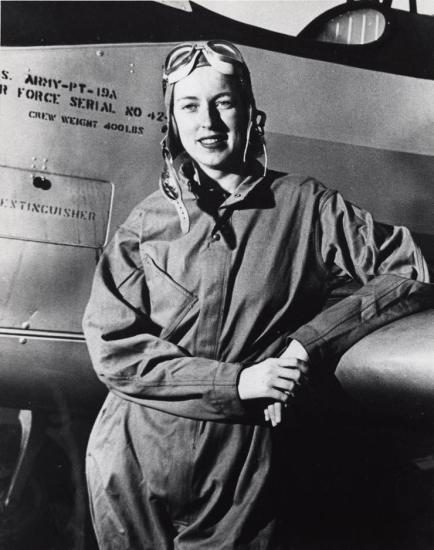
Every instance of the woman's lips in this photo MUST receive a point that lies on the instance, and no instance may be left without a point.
(212, 142)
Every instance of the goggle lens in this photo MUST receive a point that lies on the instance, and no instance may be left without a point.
(226, 49)
(180, 56)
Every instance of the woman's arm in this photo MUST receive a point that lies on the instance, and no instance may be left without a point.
(383, 259)
(131, 358)
(388, 265)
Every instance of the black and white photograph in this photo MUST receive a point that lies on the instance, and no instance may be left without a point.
(217, 275)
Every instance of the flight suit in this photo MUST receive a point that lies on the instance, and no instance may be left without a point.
(176, 459)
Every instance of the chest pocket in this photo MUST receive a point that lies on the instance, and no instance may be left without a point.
(169, 301)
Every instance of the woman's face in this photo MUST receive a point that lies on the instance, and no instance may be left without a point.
(211, 120)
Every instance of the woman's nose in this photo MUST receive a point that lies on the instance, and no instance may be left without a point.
(207, 116)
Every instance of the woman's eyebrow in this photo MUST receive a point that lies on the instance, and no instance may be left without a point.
(221, 94)
(186, 98)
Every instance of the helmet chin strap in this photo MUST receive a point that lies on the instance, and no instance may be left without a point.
(169, 185)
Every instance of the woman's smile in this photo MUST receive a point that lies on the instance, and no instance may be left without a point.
(213, 141)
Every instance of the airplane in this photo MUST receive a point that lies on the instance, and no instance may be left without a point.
(348, 100)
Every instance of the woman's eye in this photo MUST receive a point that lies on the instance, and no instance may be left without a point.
(224, 104)
(190, 107)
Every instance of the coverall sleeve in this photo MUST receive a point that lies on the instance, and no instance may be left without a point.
(132, 360)
(383, 259)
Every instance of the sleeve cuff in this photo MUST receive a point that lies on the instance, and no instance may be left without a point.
(225, 390)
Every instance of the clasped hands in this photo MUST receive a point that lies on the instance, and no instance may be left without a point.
(275, 379)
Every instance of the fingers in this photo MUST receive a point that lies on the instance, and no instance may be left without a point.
(273, 414)
(294, 362)
(286, 386)
(289, 373)
(277, 416)
(303, 367)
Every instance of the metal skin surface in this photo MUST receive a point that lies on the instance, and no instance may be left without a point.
(96, 112)
(49, 376)
(392, 370)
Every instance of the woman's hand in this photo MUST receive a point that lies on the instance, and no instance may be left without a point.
(273, 378)
(273, 413)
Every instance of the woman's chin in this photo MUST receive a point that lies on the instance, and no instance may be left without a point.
(221, 163)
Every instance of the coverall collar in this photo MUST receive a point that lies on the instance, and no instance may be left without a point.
(187, 174)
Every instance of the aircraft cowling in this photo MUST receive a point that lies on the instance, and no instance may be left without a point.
(391, 371)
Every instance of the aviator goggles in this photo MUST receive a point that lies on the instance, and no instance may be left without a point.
(220, 54)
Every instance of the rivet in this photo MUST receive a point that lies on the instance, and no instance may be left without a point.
(34, 158)
(32, 166)
(44, 160)
(22, 340)
(25, 325)
(99, 53)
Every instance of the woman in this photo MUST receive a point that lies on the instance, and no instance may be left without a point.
(205, 317)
